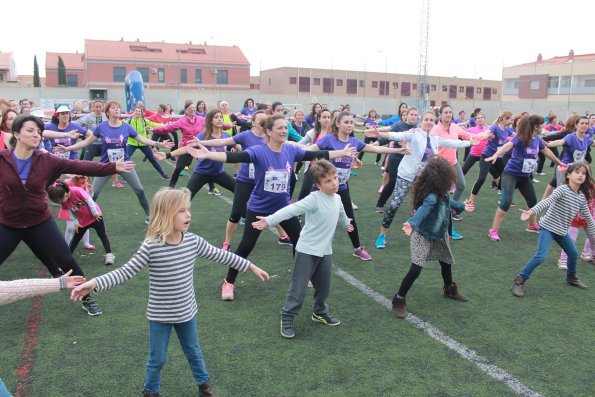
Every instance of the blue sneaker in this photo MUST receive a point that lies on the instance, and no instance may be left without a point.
(455, 235)
(380, 241)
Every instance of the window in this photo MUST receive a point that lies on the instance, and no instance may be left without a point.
(432, 103)
(1, 76)
(395, 85)
(361, 83)
(553, 82)
(72, 80)
(293, 80)
(487, 94)
(383, 88)
(515, 84)
(565, 81)
(183, 76)
(405, 89)
(119, 73)
(534, 85)
(222, 77)
(590, 83)
(339, 82)
(433, 87)
(327, 85)
(316, 81)
(469, 92)
(444, 88)
(351, 86)
(304, 84)
(478, 90)
(198, 76)
(414, 86)
(252, 86)
(494, 91)
(161, 75)
(144, 72)
(374, 84)
(452, 92)
(461, 89)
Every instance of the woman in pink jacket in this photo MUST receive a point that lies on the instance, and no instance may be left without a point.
(191, 125)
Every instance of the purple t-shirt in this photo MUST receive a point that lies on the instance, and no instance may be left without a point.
(114, 141)
(272, 171)
(574, 148)
(500, 138)
(72, 155)
(210, 167)
(23, 167)
(247, 111)
(247, 139)
(523, 160)
(343, 164)
(370, 122)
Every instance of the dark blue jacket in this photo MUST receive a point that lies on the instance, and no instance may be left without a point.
(432, 216)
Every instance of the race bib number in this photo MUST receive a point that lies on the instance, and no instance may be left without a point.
(64, 155)
(343, 175)
(115, 154)
(578, 155)
(251, 171)
(276, 181)
(529, 165)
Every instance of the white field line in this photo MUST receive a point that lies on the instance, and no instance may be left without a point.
(495, 372)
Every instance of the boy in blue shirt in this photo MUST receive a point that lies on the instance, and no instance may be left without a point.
(313, 259)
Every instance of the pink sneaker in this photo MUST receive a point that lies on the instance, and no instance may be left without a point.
(90, 247)
(118, 185)
(493, 234)
(225, 246)
(362, 254)
(533, 228)
(227, 291)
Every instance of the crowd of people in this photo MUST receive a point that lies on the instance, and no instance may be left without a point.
(269, 148)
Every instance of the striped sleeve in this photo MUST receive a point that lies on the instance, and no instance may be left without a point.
(126, 272)
(543, 205)
(208, 251)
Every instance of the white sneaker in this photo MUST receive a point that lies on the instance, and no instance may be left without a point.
(354, 206)
(587, 257)
(110, 259)
(562, 264)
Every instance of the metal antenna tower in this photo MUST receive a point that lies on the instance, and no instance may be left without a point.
(422, 71)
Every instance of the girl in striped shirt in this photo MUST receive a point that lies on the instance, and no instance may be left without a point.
(559, 209)
(169, 251)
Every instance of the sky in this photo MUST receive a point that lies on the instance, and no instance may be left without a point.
(467, 39)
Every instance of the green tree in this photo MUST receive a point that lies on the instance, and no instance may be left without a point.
(36, 80)
(61, 71)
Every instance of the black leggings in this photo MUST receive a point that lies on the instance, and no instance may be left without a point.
(197, 181)
(523, 184)
(173, 135)
(484, 167)
(414, 272)
(368, 141)
(392, 168)
(241, 195)
(47, 244)
(291, 226)
(99, 227)
(183, 160)
(347, 205)
(306, 185)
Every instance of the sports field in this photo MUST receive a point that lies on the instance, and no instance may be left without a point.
(492, 345)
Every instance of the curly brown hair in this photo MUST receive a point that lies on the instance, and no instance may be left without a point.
(437, 177)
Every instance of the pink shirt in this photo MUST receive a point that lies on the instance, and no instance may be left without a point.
(190, 129)
(477, 150)
(82, 205)
(454, 132)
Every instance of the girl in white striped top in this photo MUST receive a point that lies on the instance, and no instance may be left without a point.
(169, 251)
(560, 208)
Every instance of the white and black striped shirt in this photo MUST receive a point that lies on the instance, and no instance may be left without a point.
(561, 208)
(171, 269)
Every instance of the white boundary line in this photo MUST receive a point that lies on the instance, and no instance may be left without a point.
(494, 371)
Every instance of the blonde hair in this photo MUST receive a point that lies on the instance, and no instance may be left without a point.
(166, 203)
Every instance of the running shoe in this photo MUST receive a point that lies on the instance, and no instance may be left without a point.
(214, 191)
(354, 206)
(493, 234)
(562, 265)
(362, 254)
(117, 184)
(287, 327)
(533, 228)
(110, 259)
(147, 220)
(285, 240)
(91, 306)
(90, 247)
(326, 319)
(225, 246)
(379, 210)
(455, 235)
(380, 241)
(227, 291)
(457, 217)
(586, 256)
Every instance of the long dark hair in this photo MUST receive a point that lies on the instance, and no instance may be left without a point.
(57, 190)
(526, 128)
(318, 125)
(587, 186)
(437, 177)
(209, 122)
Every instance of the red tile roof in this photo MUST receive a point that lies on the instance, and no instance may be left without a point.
(163, 52)
(71, 61)
(563, 59)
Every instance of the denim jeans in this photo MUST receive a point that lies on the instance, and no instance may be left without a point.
(159, 340)
(543, 245)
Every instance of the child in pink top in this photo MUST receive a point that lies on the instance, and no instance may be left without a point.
(579, 222)
(84, 212)
(82, 182)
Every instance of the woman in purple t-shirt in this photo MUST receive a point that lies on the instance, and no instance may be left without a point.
(273, 164)
(517, 172)
(338, 139)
